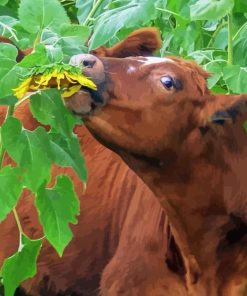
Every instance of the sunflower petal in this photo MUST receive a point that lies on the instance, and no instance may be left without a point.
(70, 91)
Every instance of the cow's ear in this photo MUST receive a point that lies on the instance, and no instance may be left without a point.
(219, 109)
(142, 42)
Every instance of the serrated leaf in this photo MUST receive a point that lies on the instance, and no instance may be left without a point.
(20, 266)
(58, 207)
(30, 149)
(39, 14)
(66, 152)
(131, 14)
(210, 10)
(10, 189)
(48, 108)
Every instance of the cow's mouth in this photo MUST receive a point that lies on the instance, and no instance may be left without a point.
(87, 101)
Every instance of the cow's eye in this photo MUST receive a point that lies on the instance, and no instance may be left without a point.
(167, 81)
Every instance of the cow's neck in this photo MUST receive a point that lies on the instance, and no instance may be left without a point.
(202, 193)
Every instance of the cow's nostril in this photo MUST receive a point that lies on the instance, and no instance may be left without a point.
(88, 63)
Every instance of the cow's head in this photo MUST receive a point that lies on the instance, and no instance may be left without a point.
(148, 106)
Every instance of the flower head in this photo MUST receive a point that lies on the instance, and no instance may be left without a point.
(62, 76)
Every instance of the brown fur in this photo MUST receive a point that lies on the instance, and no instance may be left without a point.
(189, 147)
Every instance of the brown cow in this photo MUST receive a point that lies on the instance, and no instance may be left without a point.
(188, 145)
(114, 195)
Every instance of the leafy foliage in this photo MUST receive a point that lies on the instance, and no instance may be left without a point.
(213, 33)
(57, 207)
(20, 266)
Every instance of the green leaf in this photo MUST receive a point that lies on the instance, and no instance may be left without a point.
(39, 14)
(11, 80)
(30, 150)
(66, 152)
(181, 9)
(36, 58)
(239, 51)
(49, 109)
(58, 207)
(132, 14)
(6, 23)
(240, 6)
(84, 7)
(20, 266)
(8, 51)
(240, 47)
(221, 39)
(3, 2)
(210, 9)
(73, 37)
(215, 69)
(8, 55)
(235, 78)
(9, 101)
(10, 189)
(54, 54)
(72, 31)
(202, 56)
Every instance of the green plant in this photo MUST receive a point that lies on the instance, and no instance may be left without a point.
(213, 33)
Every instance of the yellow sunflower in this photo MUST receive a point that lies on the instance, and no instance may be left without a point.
(65, 77)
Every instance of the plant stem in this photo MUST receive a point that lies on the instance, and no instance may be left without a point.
(37, 39)
(18, 222)
(21, 232)
(230, 40)
(96, 5)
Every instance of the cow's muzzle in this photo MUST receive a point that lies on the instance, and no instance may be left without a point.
(86, 101)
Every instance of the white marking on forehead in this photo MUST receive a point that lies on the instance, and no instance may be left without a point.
(155, 60)
(131, 69)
